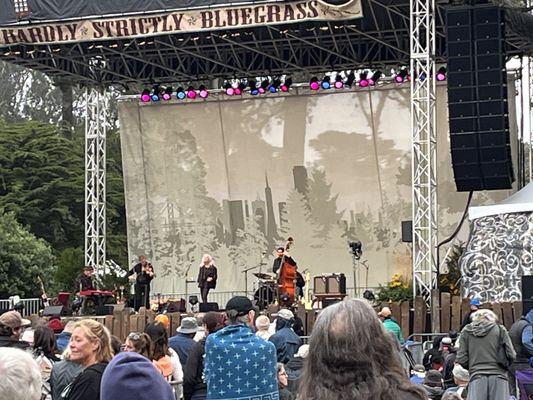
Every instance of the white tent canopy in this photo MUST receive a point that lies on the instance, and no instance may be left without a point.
(521, 201)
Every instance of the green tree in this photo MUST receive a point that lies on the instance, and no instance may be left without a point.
(69, 266)
(42, 182)
(23, 257)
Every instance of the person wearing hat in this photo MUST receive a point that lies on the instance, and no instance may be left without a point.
(449, 354)
(238, 364)
(132, 376)
(183, 341)
(461, 377)
(295, 367)
(11, 328)
(390, 324)
(286, 341)
(475, 304)
(433, 384)
(418, 374)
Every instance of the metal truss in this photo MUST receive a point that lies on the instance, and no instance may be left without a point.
(95, 171)
(379, 39)
(424, 150)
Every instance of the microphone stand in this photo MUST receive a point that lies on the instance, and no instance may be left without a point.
(187, 281)
(245, 272)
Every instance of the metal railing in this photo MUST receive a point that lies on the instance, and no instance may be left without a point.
(31, 306)
(222, 297)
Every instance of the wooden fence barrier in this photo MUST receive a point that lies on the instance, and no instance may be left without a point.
(412, 318)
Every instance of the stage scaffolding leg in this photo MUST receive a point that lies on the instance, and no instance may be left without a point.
(95, 169)
(424, 151)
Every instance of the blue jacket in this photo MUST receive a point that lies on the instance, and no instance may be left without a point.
(286, 341)
(527, 333)
(181, 344)
(240, 365)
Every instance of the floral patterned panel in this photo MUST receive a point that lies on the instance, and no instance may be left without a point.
(498, 253)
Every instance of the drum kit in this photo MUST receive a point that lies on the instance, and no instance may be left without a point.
(266, 285)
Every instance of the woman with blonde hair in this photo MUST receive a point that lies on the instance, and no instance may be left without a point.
(207, 276)
(352, 357)
(90, 346)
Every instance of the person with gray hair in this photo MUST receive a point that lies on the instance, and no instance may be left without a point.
(352, 357)
(21, 376)
(239, 364)
(486, 351)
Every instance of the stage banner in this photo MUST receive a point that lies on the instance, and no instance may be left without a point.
(235, 178)
(190, 20)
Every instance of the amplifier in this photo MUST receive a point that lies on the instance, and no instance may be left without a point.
(330, 283)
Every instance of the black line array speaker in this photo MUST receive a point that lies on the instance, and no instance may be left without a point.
(527, 293)
(527, 287)
(477, 98)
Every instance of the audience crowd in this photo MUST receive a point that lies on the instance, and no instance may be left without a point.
(353, 353)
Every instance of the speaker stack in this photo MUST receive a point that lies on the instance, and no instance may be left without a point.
(477, 98)
(527, 293)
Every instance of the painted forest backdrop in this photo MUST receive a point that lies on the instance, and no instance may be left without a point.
(235, 178)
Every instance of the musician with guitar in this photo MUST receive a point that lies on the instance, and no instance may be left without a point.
(141, 274)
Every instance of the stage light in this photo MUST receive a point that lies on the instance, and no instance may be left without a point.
(191, 93)
(401, 76)
(313, 83)
(363, 80)
(180, 93)
(286, 85)
(326, 83)
(275, 85)
(239, 89)
(156, 93)
(230, 91)
(374, 79)
(264, 86)
(145, 96)
(441, 74)
(350, 79)
(339, 82)
(167, 94)
(202, 90)
(254, 91)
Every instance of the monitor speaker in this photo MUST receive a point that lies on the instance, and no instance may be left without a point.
(477, 98)
(206, 307)
(56, 311)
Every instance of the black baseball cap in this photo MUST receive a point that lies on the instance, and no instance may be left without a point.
(242, 304)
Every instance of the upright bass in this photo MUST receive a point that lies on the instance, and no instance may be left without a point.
(287, 279)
